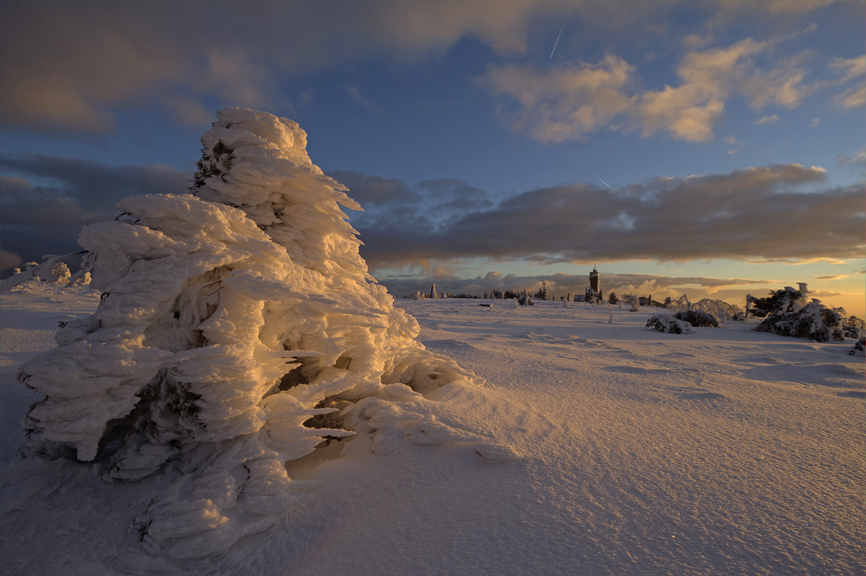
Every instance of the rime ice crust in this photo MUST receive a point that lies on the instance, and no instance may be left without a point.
(238, 328)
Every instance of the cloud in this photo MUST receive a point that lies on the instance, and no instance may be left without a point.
(374, 190)
(854, 97)
(356, 96)
(856, 159)
(737, 145)
(751, 214)
(766, 120)
(454, 196)
(45, 217)
(815, 122)
(568, 101)
(848, 70)
(839, 277)
(9, 260)
(71, 66)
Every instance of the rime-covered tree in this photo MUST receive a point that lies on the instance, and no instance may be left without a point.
(238, 329)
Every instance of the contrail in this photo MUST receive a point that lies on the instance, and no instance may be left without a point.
(557, 38)
(602, 181)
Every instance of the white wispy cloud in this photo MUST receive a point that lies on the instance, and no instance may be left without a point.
(766, 120)
(567, 102)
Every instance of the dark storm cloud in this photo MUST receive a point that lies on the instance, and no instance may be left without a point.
(756, 213)
(45, 217)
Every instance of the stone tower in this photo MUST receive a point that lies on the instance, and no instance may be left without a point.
(593, 280)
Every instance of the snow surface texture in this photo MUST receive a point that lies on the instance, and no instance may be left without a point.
(727, 451)
(238, 329)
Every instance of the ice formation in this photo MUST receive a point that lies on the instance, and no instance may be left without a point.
(238, 329)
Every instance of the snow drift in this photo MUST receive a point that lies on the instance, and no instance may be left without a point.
(238, 329)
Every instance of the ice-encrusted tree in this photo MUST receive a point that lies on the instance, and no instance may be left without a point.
(790, 313)
(238, 328)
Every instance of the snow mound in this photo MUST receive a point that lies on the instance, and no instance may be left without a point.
(238, 329)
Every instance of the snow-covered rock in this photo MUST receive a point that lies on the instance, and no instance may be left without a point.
(238, 328)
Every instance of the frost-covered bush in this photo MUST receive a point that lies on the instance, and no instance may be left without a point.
(632, 301)
(778, 302)
(859, 348)
(787, 312)
(664, 322)
(612, 299)
(697, 318)
(238, 328)
(854, 327)
(718, 309)
(53, 269)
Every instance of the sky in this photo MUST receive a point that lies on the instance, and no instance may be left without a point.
(711, 148)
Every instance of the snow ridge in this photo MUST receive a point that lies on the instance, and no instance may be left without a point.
(238, 329)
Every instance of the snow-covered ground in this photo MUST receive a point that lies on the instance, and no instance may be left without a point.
(721, 452)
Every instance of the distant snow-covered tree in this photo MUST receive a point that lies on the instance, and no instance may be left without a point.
(612, 299)
(789, 313)
(433, 293)
(632, 301)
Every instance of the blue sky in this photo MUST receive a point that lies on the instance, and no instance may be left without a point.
(451, 122)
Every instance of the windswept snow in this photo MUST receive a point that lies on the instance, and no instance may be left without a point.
(726, 451)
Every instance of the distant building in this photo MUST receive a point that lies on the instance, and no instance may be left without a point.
(593, 293)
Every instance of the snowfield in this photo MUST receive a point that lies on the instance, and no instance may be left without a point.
(619, 450)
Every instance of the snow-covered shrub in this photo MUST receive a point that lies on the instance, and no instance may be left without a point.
(664, 322)
(859, 348)
(61, 273)
(525, 299)
(238, 328)
(778, 302)
(632, 301)
(697, 318)
(853, 327)
(53, 269)
(612, 299)
(787, 312)
(719, 309)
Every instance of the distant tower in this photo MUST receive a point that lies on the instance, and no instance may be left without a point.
(593, 280)
(803, 287)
